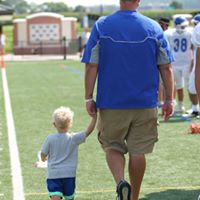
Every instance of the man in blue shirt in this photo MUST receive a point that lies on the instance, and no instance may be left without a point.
(126, 51)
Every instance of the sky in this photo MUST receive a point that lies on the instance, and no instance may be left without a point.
(73, 3)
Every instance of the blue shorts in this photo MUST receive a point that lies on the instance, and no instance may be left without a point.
(63, 187)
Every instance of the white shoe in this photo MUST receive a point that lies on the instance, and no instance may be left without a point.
(179, 109)
(198, 197)
(192, 114)
(189, 111)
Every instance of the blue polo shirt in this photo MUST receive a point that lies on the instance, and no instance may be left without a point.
(128, 47)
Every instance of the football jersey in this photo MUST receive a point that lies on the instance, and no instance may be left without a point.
(85, 38)
(181, 47)
(196, 36)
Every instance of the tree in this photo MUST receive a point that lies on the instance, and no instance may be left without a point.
(176, 5)
(12, 3)
(22, 7)
(79, 8)
(54, 7)
(33, 8)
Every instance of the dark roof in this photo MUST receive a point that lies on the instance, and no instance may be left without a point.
(6, 10)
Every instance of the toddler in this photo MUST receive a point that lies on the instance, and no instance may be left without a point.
(61, 151)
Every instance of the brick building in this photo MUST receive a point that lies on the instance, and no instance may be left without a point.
(45, 33)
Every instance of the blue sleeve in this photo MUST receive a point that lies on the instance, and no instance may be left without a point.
(91, 52)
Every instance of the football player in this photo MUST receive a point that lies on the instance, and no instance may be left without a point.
(194, 111)
(180, 42)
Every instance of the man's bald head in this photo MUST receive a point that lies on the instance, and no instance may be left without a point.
(129, 4)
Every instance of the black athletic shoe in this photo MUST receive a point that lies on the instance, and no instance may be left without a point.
(123, 191)
(195, 114)
(192, 114)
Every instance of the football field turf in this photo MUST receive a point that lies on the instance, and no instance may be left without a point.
(36, 89)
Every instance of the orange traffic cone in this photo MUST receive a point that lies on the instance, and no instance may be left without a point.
(2, 61)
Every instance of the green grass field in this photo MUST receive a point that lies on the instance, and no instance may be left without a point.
(36, 89)
(8, 31)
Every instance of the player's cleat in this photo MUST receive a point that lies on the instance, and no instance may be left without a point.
(195, 113)
(123, 190)
(179, 109)
(189, 111)
(192, 114)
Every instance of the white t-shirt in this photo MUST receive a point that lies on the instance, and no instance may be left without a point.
(181, 47)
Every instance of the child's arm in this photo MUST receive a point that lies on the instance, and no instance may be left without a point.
(44, 157)
(91, 126)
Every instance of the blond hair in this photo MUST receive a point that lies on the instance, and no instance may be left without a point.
(63, 117)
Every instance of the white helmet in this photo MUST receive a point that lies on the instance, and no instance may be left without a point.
(196, 19)
(180, 24)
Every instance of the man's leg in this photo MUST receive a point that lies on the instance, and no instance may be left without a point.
(116, 163)
(194, 100)
(180, 95)
(137, 165)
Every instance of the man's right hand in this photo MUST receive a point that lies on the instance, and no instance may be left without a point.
(167, 110)
(91, 108)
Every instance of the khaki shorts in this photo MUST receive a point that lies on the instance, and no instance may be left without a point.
(130, 130)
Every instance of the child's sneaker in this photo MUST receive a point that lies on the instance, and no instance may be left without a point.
(123, 190)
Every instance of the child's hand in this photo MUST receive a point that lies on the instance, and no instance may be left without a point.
(40, 163)
(92, 124)
(94, 117)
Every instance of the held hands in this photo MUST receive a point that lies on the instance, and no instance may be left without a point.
(168, 109)
(92, 111)
(91, 107)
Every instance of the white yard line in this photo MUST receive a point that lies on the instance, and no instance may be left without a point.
(17, 181)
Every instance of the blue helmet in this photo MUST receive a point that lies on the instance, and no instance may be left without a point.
(196, 19)
(181, 21)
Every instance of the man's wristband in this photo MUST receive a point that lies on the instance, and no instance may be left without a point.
(88, 100)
